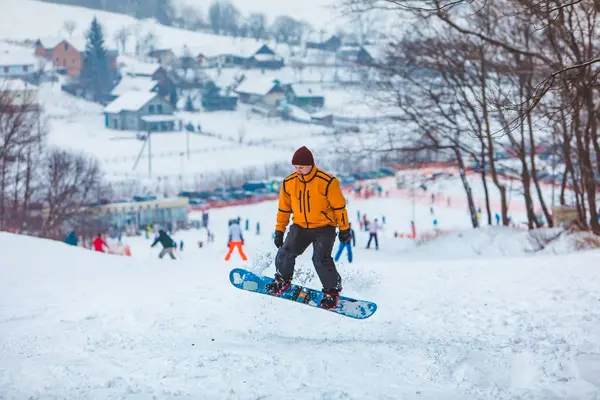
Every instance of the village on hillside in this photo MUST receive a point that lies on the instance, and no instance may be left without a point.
(142, 93)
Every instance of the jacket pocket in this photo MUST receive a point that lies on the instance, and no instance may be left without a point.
(300, 200)
(308, 200)
(323, 212)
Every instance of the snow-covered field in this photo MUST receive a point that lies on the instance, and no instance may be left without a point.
(77, 324)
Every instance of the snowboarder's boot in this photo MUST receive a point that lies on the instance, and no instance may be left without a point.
(278, 286)
(330, 299)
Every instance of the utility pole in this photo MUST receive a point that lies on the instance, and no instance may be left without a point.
(187, 138)
(149, 155)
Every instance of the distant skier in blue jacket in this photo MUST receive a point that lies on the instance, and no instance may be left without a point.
(346, 246)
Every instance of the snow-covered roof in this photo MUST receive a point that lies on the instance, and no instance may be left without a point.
(15, 85)
(375, 51)
(307, 90)
(134, 83)
(138, 68)
(130, 101)
(8, 57)
(256, 86)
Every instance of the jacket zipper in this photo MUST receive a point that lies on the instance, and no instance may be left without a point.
(300, 200)
(343, 219)
(303, 199)
(308, 199)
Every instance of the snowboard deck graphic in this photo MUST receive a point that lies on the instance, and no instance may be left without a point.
(347, 306)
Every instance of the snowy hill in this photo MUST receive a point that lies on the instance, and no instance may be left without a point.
(77, 324)
(30, 19)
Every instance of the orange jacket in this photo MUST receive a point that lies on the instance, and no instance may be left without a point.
(315, 199)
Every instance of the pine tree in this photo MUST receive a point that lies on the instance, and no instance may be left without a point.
(189, 104)
(173, 98)
(95, 74)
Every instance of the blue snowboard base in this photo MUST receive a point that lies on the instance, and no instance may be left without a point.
(349, 307)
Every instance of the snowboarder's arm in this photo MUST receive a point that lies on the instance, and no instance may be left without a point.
(338, 203)
(154, 243)
(284, 209)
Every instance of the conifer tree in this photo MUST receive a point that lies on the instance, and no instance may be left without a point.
(95, 74)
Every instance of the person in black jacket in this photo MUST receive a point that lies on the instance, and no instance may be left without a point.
(167, 242)
(348, 246)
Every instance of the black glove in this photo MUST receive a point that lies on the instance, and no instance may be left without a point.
(344, 236)
(278, 240)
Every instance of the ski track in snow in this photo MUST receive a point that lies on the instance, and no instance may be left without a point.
(74, 324)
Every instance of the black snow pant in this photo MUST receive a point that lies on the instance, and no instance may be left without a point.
(373, 236)
(296, 241)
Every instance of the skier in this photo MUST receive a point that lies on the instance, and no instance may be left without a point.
(167, 243)
(373, 228)
(236, 239)
(72, 239)
(99, 243)
(346, 246)
(316, 200)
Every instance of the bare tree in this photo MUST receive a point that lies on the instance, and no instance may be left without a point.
(122, 36)
(73, 183)
(257, 25)
(70, 26)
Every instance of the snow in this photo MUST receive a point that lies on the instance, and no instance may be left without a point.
(138, 68)
(131, 83)
(259, 86)
(482, 327)
(130, 101)
(16, 58)
(306, 90)
(14, 85)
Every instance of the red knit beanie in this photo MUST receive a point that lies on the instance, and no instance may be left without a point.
(303, 156)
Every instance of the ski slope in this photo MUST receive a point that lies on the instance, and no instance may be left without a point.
(451, 324)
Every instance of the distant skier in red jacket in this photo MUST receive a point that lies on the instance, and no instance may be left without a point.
(99, 244)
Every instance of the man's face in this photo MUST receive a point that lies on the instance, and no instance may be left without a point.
(303, 169)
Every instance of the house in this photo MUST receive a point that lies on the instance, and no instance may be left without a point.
(214, 99)
(322, 118)
(355, 54)
(331, 45)
(303, 95)
(265, 58)
(17, 64)
(155, 72)
(257, 90)
(23, 94)
(68, 56)
(134, 83)
(163, 56)
(218, 57)
(142, 111)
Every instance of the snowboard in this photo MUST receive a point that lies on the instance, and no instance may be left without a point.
(348, 307)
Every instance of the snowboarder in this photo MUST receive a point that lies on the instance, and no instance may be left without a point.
(99, 243)
(167, 243)
(373, 228)
(347, 246)
(236, 239)
(316, 200)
